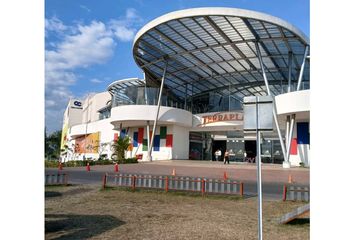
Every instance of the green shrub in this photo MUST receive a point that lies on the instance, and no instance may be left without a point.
(83, 163)
(128, 160)
(103, 162)
(51, 164)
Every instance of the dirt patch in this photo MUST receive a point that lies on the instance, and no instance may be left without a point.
(118, 214)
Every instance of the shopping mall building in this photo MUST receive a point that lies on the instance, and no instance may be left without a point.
(198, 66)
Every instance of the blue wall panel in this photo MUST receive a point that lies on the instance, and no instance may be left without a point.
(135, 139)
(303, 133)
(122, 133)
(157, 143)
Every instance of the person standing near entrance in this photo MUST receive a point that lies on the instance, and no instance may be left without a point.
(226, 157)
(217, 155)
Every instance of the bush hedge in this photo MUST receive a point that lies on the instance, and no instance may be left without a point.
(51, 164)
(79, 163)
(128, 160)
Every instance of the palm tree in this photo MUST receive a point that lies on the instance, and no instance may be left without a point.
(119, 147)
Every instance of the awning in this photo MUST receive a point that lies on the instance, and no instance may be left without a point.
(213, 49)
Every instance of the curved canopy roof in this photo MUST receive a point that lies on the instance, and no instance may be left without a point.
(120, 88)
(213, 49)
(124, 83)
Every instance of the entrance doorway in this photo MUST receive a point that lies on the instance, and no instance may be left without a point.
(219, 144)
(251, 149)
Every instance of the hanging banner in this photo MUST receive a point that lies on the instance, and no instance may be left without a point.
(88, 144)
(64, 138)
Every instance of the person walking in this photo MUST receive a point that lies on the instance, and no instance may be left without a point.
(217, 155)
(226, 157)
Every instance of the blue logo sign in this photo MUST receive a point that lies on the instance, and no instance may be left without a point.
(77, 103)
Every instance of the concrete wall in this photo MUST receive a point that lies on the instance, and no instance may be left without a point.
(92, 104)
(143, 113)
(303, 152)
(164, 153)
(180, 143)
(180, 149)
(104, 127)
(293, 102)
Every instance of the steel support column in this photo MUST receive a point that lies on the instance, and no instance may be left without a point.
(292, 124)
(149, 158)
(192, 99)
(185, 97)
(148, 138)
(302, 69)
(275, 115)
(290, 63)
(287, 130)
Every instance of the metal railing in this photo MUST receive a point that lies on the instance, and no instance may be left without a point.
(56, 179)
(174, 183)
(296, 193)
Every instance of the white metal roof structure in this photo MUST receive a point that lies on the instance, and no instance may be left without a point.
(118, 88)
(214, 49)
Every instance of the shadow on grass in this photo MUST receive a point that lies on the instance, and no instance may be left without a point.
(49, 194)
(172, 192)
(299, 221)
(70, 226)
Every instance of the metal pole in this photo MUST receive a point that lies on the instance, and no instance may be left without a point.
(87, 109)
(192, 99)
(259, 177)
(145, 91)
(302, 69)
(274, 106)
(287, 131)
(290, 63)
(292, 123)
(148, 137)
(185, 98)
(262, 67)
(157, 113)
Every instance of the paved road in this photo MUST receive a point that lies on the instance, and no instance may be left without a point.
(274, 176)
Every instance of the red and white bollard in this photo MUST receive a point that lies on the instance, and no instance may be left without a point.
(116, 167)
(88, 167)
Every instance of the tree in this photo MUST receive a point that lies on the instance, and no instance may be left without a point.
(101, 149)
(52, 145)
(119, 147)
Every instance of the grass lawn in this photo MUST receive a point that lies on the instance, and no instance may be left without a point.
(86, 212)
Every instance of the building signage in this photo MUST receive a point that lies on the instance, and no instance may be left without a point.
(77, 104)
(222, 117)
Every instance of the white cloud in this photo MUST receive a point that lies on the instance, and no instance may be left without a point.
(125, 28)
(122, 32)
(55, 24)
(95, 80)
(79, 46)
(85, 8)
(131, 14)
(93, 44)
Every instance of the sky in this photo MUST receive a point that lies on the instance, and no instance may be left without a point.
(88, 43)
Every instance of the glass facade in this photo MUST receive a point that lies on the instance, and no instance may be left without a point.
(213, 102)
(201, 145)
(208, 102)
(140, 95)
(105, 113)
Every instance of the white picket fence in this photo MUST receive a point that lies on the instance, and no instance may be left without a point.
(174, 183)
(56, 179)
